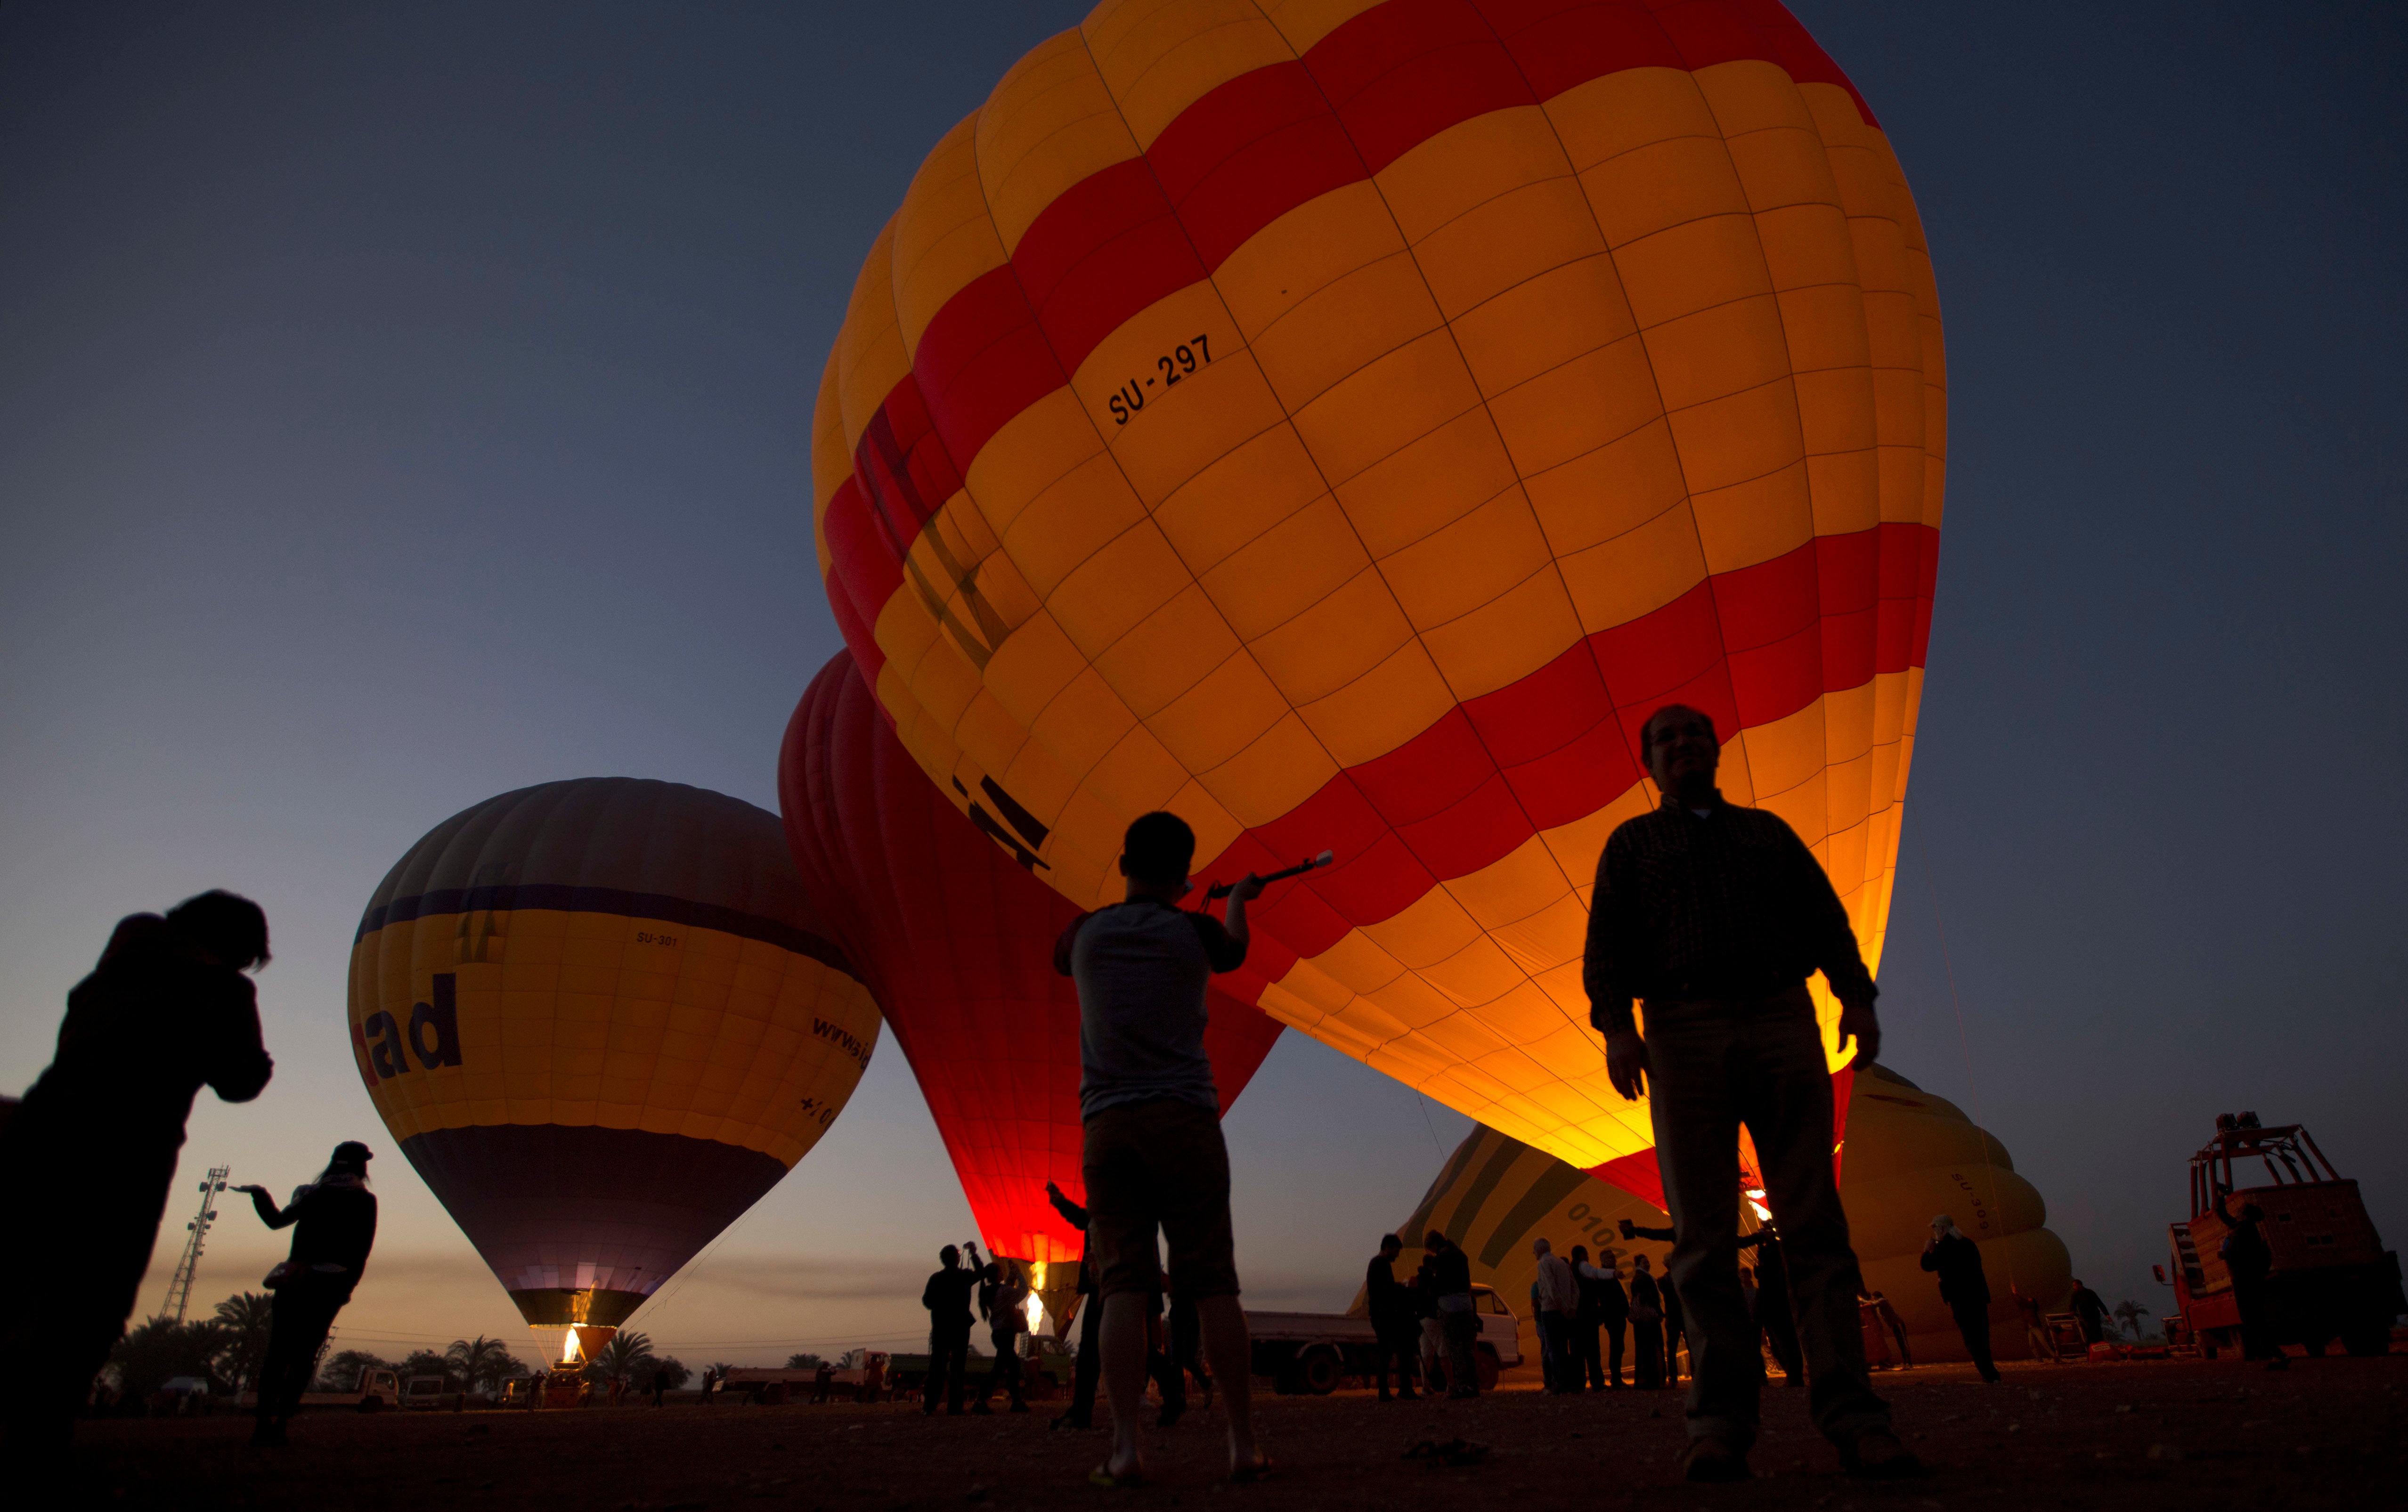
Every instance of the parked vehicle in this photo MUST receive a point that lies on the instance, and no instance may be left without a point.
(2331, 1277)
(1311, 1353)
(777, 1385)
(377, 1391)
(426, 1392)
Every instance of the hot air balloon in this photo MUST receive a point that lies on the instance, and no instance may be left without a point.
(1908, 1155)
(955, 938)
(1343, 425)
(601, 1020)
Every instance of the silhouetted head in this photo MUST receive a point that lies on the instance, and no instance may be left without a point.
(349, 1163)
(2252, 1212)
(1639, 1262)
(1677, 746)
(228, 929)
(1942, 1224)
(1434, 1242)
(1541, 1248)
(1390, 1247)
(1580, 1254)
(949, 1257)
(1156, 852)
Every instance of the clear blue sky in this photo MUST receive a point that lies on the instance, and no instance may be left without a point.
(399, 404)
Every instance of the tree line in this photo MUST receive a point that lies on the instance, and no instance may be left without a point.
(227, 1348)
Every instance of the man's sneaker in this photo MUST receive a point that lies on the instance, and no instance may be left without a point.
(1712, 1460)
(1878, 1455)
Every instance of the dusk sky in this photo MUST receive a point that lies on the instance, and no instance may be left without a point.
(403, 404)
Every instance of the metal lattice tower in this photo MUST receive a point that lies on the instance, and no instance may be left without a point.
(180, 1286)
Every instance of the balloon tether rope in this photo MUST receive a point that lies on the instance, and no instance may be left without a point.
(1965, 1046)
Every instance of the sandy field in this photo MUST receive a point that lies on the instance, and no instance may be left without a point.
(2129, 1436)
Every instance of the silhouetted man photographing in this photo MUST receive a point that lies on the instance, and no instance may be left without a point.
(1155, 1160)
(1713, 917)
(947, 1297)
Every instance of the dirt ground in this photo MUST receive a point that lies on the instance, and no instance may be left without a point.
(2129, 1436)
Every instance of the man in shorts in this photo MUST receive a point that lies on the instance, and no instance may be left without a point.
(1155, 1159)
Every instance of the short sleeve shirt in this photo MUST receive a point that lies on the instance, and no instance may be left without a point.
(1141, 967)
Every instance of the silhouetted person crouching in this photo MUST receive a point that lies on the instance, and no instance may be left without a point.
(334, 1222)
(93, 1148)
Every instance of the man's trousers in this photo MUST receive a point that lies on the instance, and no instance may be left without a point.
(1713, 1066)
(949, 1362)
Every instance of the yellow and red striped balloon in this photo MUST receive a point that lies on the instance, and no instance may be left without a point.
(1341, 424)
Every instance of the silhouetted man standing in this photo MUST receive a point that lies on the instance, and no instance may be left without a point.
(1084, 1372)
(2248, 1259)
(1713, 917)
(2089, 1313)
(333, 1223)
(1957, 1262)
(1393, 1319)
(1646, 1327)
(947, 1297)
(1155, 1160)
(1004, 1299)
(1451, 1279)
(1604, 1305)
(1773, 1313)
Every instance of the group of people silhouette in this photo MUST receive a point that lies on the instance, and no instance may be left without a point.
(169, 1008)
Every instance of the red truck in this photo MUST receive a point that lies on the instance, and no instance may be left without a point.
(2331, 1277)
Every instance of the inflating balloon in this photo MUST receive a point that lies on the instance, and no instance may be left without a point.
(1341, 424)
(601, 1021)
(1908, 1155)
(956, 940)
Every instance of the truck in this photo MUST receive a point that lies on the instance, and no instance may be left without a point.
(377, 1391)
(426, 1393)
(1311, 1353)
(884, 1377)
(776, 1386)
(2331, 1277)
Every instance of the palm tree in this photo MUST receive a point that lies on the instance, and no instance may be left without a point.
(160, 1350)
(803, 1362)
(481, 1362)
(2129, 1313)
(251, 1317)
(625, 1356)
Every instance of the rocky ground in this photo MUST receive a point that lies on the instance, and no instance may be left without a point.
(2131, 1436)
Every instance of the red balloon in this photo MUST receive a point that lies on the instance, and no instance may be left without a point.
(956, 941)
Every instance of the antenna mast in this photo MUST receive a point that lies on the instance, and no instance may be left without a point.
(180, 1286)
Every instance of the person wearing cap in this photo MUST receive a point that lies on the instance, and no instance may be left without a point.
(92, 1149)
(333, 1221)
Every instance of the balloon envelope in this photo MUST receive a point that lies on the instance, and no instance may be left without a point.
(601, 1021)
(1343, 425)
(956, 940)
(1908, 1156)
